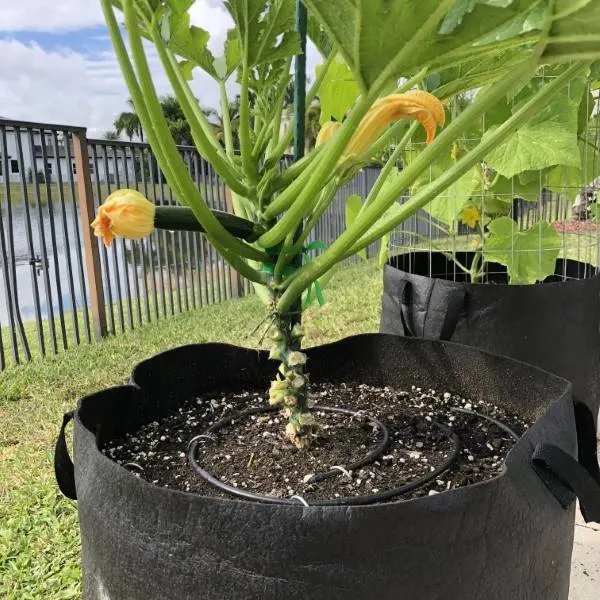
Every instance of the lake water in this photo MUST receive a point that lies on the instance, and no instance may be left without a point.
(28, 259)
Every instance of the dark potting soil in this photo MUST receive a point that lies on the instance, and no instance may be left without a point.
(252, 452)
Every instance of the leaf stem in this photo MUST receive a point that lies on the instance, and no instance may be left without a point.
(250, 166)
(298, 207)
(197, 120)
(225, 117)
(387, 169)
(288, 136)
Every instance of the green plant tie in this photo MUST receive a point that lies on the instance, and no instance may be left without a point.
(290, 269)
(315, 285)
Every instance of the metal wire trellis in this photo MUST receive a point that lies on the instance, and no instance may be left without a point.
(565, 197)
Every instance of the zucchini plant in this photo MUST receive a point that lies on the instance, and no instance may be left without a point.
(377, 56)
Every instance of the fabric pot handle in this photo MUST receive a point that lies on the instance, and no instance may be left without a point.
(64, 470)
(455, 303)
(403, 293)
(566, 478)
(440, 320)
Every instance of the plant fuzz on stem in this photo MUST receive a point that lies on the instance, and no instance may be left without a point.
(290, 389)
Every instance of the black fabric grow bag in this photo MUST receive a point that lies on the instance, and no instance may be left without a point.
(510, 537)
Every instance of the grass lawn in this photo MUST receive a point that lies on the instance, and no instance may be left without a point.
(39, 536)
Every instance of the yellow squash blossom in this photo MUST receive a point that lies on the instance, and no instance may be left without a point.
(326, 132)
(470, 216)
(416, 104)
(125, 213)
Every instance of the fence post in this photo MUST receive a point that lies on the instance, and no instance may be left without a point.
(235, 276)
(90, 245)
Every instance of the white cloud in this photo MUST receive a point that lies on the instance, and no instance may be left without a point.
(215, 19)
(49, 15)
(70, 88)
(72, 15)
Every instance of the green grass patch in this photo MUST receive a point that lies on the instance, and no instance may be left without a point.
(39, 537)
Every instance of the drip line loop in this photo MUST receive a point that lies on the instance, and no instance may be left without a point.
(347, 501)
(513, 434)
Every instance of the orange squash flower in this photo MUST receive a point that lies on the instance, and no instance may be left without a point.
(326, 132)
(416, 104)
(125, 213)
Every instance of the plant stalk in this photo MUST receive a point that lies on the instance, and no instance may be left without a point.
(225, 117)
(290, 389)
(298, 207)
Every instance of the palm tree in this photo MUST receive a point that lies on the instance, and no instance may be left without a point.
(216, 120)
(176, 121)
(112, 136)
(129, 122)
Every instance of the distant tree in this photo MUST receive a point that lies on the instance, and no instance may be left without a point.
(216, 120)
(39, 176)
(111, 135)
(129, 123)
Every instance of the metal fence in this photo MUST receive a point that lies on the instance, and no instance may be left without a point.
(59, 286)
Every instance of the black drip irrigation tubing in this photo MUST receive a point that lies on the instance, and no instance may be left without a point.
(208, 435)
(513, 434)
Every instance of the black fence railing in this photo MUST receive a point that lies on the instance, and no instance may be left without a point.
(59, 286)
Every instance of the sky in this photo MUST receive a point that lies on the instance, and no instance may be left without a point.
(57, 64)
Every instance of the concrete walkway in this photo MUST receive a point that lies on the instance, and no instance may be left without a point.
(585, 568)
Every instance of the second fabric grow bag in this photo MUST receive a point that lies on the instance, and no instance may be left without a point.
(554, 325)
(508, 537)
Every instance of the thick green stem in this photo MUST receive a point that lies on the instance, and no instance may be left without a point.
(225, 117)
(302, 204)
(262, 140)
(198, 124)
(327, 196)
(250, 166)
(290, 390)
(387, 169)
(293, 171)
(347, 244)
(288, 136)
(278, 109)
(282, 259)
(387, 139)
(136, 93)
